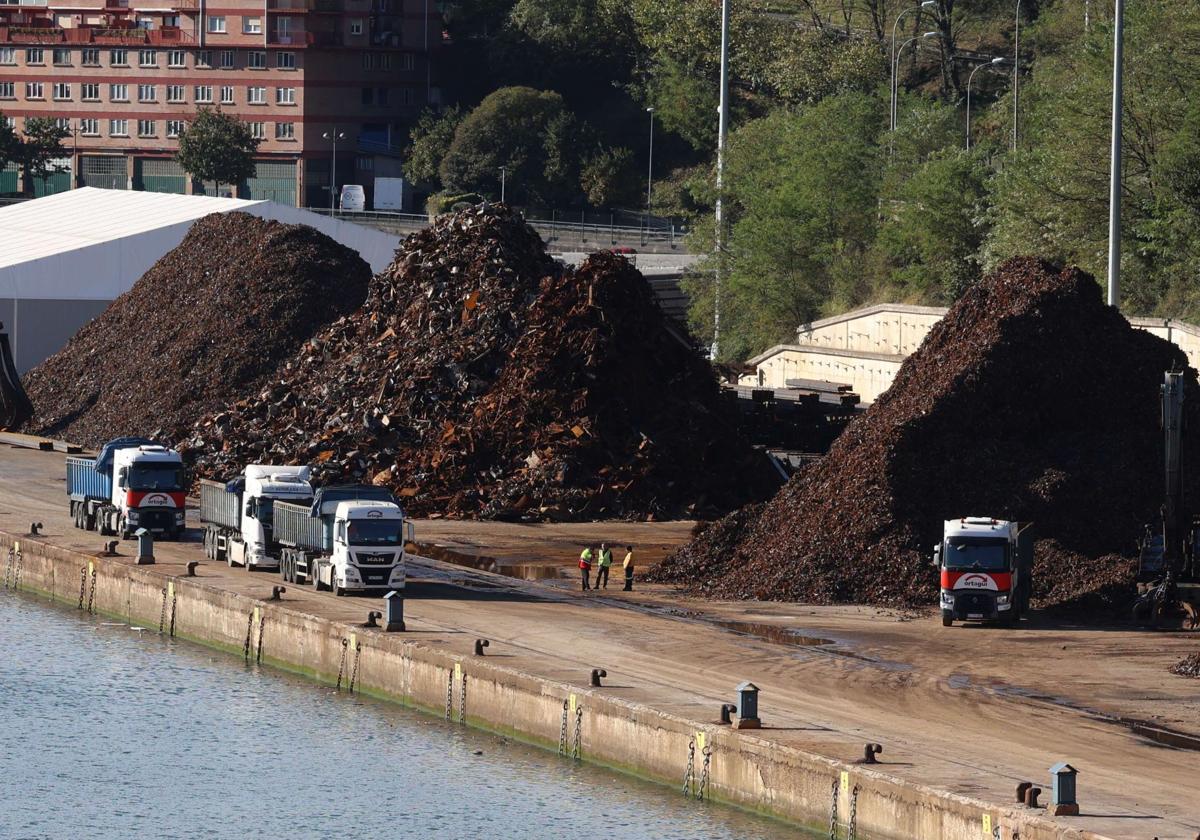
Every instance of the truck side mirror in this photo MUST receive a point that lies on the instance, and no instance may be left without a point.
(937, 556)
(250, 507)
(410, 533)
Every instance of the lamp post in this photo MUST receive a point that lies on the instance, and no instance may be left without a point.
(722, 130)
(895, 65)
(650, 165)
(892, 88)
(1114, 184)
(994, 62)
(1016, 73)
(334, 135)
(503, 178)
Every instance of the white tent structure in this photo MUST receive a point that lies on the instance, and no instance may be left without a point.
(64, 257)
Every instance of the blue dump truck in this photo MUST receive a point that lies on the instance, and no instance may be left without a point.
(350, 538)
(132, 483)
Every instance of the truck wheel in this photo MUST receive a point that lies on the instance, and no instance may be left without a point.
(947, 618)
(1007, 619)
(337, 590)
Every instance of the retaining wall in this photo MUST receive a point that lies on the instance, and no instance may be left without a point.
(742, 769)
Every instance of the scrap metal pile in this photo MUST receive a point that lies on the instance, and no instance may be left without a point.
(206, 324)
(1031, 400)
(1189, 666)
(480, 379)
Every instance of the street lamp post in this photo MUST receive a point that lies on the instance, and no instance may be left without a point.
(994, 62)
(895, 65)
(1114, 185)
(1016, 73)
(722, 130)
(334, 135)
(650, 165)
(926, 4)
(503, 179)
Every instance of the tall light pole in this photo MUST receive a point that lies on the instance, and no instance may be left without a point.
(1114, 185)
(992, 63)
(892, 90)
(722, 130)
(1016, 73)
(650, 165)
(503, 179)
(895, 65)
(334, 135)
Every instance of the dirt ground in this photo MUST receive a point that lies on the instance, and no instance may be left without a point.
(972, 709)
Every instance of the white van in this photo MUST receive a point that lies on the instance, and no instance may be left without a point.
(353, 197)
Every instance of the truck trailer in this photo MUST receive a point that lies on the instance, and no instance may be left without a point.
(986, 569)
(238, 515)
(132, 483)
(351, 538)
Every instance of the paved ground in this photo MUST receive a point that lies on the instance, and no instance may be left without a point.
(967, 709)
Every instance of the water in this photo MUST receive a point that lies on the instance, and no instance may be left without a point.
(107, 732)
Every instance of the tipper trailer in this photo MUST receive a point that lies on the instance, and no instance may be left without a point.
(238, 515)
(351, 538)
(132, 483)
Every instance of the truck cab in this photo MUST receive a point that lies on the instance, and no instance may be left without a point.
(263, 486)
(147, 491)
(368, 546)
(985, 567)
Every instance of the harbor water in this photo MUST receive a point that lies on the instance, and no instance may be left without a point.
(107, 731)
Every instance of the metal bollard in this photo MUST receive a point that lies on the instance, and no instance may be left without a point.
(191, 567)
(869, 753)
(1031, 797)
(480, 644)
(34, 528)
(276, 592)
(1021, 788)
(727, 710)
(372, 618)
(145, 553)
(110, 549)
(597, 673)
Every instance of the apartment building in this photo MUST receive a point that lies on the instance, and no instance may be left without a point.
(124, 77)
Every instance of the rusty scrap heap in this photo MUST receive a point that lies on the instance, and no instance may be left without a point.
(480, 379)
(209, 322)
(1031, 400)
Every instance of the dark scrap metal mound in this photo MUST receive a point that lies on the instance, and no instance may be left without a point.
(1031, 400)
(480, 379)
(1189, 666)
(208, 322)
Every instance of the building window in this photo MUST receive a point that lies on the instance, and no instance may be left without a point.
(406, 96)
(175, 58)
(118, 93)
(118, 128)
(368, 96)
(174, 93)
(204, 94)
(226, 94)
(366, 164)
(285, 60)
(285, 131)
(63, 124)
(204, 58)
(256, 60)
(147, 58)
(257, 131)
(90, 57)
(174, 128)
(62, 57)
(256, 96)
(118, 58)
(35, 55)
(356, 27)
(146, 93)
(90, 92)
(285, 96)
(7, 90)
(33, 90)
(227, 59)
(89, 127)
(216, 24)
(11, 122)
(385, 62)
(62, 91)
(381, 96)
(145, 128)
(8, 55)
(407, 61)
(252, 25)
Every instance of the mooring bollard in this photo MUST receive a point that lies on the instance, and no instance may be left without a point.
(34, 528)
(727, 709)
(276, 592)
(480, 644)
(1021, 788)
(869, 753)
(191, 567)
(597, 673)
(110, 548)
(372, 618)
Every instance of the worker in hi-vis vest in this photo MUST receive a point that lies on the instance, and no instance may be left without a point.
(628, 566)
(585, 567)
(605, 564)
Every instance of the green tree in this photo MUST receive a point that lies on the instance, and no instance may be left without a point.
(217, 147)
(10, 143)
(523, 130)
(430, 139)
(42, 148)
(606, 178)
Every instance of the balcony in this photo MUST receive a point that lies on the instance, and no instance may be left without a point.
(114, 35)
(304, 6)
(305, 39)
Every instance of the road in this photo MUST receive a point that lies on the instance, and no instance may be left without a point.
(971, 710)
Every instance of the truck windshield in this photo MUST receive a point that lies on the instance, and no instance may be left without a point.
(375, 532)
(154, 477)
(978, 553)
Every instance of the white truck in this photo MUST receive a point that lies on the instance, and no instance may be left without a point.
(985, 568)
(132, 483)
(350, 539)
(238, 516)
